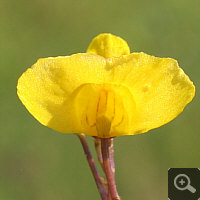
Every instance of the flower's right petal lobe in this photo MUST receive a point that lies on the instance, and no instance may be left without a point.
(159, 87)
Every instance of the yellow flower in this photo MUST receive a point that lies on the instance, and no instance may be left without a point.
(105, 92)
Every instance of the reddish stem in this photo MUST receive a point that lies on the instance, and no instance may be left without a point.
(98, 180)
(111, 151)
(97, 142)
(112, 162)
(105, 145)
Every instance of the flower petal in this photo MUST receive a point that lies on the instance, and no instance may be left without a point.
(148, 93)
(159, 87)
(108, 45)
(46, 89)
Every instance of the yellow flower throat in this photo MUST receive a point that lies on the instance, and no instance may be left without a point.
(103, 107)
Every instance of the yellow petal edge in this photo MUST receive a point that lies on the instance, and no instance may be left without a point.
(106, 92)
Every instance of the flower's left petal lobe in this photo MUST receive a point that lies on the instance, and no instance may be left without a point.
(160, 88)
(46, 89)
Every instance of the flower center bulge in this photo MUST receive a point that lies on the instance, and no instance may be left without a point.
(103, 108)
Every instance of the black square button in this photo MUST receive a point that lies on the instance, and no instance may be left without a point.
(183, 183)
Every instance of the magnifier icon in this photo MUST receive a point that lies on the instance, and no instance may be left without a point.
(182, 182)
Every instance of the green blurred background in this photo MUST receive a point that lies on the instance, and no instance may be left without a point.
(37, 163)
